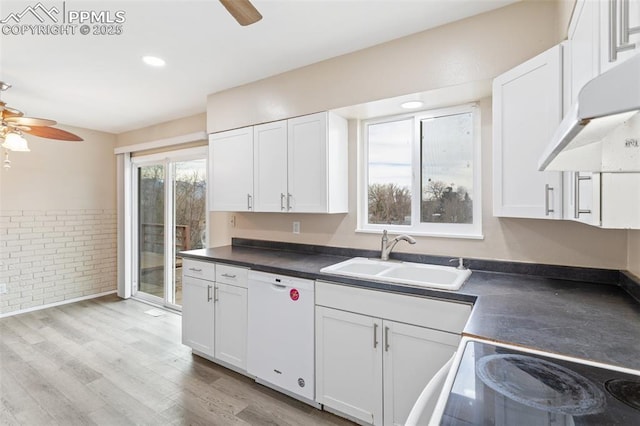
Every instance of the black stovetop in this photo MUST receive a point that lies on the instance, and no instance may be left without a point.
(495, 385)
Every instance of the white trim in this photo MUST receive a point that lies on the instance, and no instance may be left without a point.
(442, 230)
(179, 155)
(124, 225)
(161, 143)
(51, 305)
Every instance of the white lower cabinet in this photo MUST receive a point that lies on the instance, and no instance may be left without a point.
(373, 368)
(198, 314)
(214, 313)
(231, 325)
(349, 363)
(412, 356)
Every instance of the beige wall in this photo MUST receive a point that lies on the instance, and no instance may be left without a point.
(58, 221)
(168, 129)
(633, 252)
(61, 175)
(470, 50)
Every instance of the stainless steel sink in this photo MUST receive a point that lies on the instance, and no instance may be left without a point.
(415, 274)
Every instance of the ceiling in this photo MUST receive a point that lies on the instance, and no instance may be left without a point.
(99, 81)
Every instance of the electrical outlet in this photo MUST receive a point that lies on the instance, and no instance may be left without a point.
(3, 288)
(232, 221)
(296, 227)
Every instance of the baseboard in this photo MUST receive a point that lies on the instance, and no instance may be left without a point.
(51, 305)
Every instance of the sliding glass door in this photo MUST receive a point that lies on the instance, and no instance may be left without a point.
(151, 231)
(170, 196)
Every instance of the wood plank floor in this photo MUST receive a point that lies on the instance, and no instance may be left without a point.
(105, 362)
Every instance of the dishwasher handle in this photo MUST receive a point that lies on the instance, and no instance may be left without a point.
(280, 287)
(428, 392)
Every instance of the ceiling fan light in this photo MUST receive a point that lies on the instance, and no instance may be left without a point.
(15, 142)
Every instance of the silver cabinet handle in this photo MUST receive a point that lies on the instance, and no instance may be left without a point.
(613, 44)
(229, 275)
(208, 293)
(547, 190)
(614, 47)
(215, 294)
(625, 29)
(195, 269)
(577, 211)
(375, 335)
(249, 202)
(386, 339)
(282, 196)
(289, 196)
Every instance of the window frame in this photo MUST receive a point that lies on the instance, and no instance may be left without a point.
(445, 230)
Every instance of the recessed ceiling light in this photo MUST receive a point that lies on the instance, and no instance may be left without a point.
(153, 61)
(412, 104)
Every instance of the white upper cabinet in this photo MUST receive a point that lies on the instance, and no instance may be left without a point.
(231, 170)
(527, 108)
(582, 51)
(296, 165)
(317, 164)
(270, 166)
(619, 31)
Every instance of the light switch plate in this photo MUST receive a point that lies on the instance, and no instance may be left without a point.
(296, 227)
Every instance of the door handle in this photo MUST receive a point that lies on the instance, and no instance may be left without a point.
(375, 335)
(215, 294)
(577, 211)
(208, 293)
(282, 197)
(386, 339)
(547, 209)
(229, 275)
(249, 202)
(289, 196)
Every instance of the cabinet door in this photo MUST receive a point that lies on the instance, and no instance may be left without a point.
(620, 200)
(611, 31)
(270, 166)
(231, 170)
(582, 57)
(197, 314)
(412, 356)
(349, 363)
(307, 176)
(527, 108)
(231, 325)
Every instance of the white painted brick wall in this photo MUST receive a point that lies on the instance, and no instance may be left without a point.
(55, 255)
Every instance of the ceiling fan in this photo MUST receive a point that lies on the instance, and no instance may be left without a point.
(243, 11)
(13, 124)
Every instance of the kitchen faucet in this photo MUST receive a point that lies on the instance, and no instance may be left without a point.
(387, 247)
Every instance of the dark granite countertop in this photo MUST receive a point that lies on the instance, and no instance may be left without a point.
(599, 322)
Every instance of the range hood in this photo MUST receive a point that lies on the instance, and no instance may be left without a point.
(601, 131)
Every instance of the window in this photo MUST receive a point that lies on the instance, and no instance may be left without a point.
(421, 174)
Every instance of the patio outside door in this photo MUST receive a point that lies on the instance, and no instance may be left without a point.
(171, 216)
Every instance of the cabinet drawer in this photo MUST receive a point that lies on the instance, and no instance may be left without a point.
(233, 275)
(421, 311)
(198, 269)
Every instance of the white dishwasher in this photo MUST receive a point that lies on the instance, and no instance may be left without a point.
(280, 344)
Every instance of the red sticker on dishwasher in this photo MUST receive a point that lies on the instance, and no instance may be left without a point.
(294, 294)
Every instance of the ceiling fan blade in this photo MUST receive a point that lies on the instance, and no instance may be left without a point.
(7, 111)
(243, 11)
(53, 133)
(30, 121)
